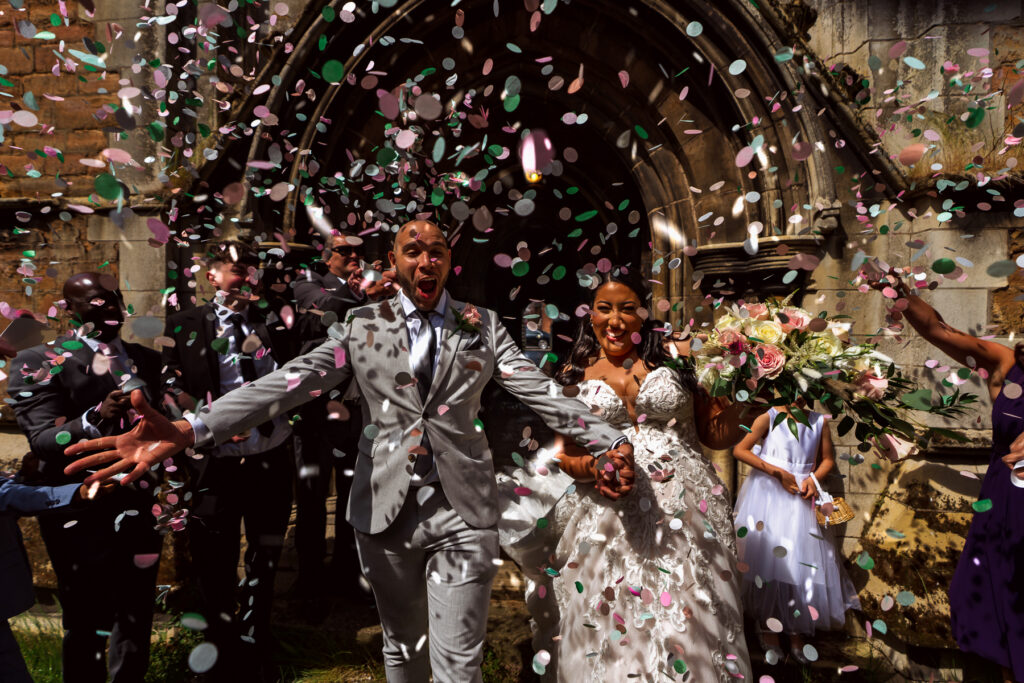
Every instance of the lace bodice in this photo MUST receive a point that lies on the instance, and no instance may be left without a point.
(661, 403)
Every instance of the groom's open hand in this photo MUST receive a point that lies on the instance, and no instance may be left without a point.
(153, 439)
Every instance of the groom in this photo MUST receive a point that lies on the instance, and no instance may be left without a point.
(424, 497)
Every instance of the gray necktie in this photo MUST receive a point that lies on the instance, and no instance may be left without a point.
(425, 348)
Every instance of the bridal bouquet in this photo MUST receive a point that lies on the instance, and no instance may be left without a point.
(774, 353)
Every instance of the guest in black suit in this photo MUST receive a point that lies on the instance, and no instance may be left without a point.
(217, 347)
(69, 390)
(328, 436)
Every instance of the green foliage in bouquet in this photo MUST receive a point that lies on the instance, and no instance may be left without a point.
(774, 354)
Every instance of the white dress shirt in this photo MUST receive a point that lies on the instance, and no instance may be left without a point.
(414, 324)
(230, 379)
(121, 366)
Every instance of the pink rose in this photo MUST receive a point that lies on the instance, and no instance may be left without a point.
(871, 385)
(795, 319)
(732, 340)
(757, 311)
(894, 448)
(470, 315)
(770, 361)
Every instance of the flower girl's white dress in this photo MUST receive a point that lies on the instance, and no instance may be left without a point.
(645, 588)
(792, 571)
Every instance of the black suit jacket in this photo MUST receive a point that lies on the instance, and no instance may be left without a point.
(50, 398)
(326, 293)
(191, 371)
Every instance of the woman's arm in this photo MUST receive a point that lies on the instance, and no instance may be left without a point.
(994, 358)
(719, 421)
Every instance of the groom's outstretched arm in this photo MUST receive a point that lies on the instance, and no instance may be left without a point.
(288, 387)
(154, 438)
(570, 416)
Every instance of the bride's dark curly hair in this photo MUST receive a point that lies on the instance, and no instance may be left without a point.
(651, 347)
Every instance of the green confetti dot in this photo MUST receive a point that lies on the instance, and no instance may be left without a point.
(983, 505)
(680, 666)
(220, 345)
(789, 276)
(512, 47)
(623, 204)
(371, 431)
(865, 562)
(741, 532)
(579, 587)
(333, 71)
(914, 63)
(521, 268)
(641, 132)
(879, 626)
(558, 273)
(944, 265)
(322, 43)
(892, 533)
(586, 215)
(107, 186)
(63, 438)
(975, 118)
(328, 14)
(905, 598)
(542, 523)
(72, 345)
(510, 103)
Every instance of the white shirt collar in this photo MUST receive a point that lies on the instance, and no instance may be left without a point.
(223, 313)
(409, 307)
(114, 346)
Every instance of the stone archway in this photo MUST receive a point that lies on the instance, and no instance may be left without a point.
(685, 184)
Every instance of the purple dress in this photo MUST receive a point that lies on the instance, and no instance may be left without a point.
(986, 596)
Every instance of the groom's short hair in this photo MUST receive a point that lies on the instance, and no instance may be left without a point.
(440, 228)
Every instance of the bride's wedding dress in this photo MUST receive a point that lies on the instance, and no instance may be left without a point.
(645, 587)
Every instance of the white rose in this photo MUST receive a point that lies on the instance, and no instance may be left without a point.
(707, 376)
(823, 346)
(768, 331)
(729, 322)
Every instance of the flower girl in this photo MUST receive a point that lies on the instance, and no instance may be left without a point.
(793, 576)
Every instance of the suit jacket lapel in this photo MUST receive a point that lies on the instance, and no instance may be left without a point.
(207, 333)
(449, 341)
(84, 355)
(397, 328)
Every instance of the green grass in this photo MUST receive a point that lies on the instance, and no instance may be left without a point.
(305, 655)
(41, 647)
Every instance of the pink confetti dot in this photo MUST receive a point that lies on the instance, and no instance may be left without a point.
(666, 599)
(442, 409)
(745, 156)
(522, 491)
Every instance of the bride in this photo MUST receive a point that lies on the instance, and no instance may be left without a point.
(644, 587)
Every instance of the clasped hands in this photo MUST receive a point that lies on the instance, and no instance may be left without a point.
(613, 473)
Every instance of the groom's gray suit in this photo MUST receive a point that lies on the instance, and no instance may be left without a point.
(429, 549)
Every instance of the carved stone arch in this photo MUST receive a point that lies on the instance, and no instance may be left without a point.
(648, 39)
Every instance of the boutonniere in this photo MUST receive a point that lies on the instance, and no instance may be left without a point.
(468, 319)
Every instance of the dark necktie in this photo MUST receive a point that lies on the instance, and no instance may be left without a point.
(245, 362)
(426, 345)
